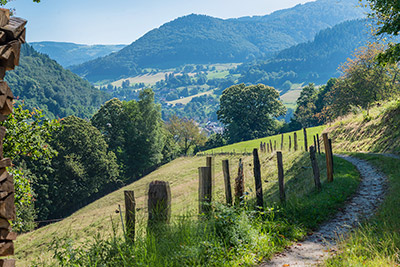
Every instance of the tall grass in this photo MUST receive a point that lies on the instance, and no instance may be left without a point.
(230, 236)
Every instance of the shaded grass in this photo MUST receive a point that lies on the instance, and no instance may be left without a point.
(376, 242)
(230, 237)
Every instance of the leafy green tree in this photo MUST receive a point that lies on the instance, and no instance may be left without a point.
(26, 140)
(387, 15)
(248, 111)
(186, 133)
(306, 108)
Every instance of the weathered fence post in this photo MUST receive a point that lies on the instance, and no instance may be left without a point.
(290, 143)
(257, 179)
(305, 139)
(205, 190)
(210, 163)
(227, 180)
(270, 145)
(265, 147)
(239, 184)
(315, 142)
(268, 148)
(319, 150)
(295, 141)
(274, 145)
(282, 195)
(331, 151)
(130, 214)
(329, 171)
(315, 167)
(282, 142)
(159, 203)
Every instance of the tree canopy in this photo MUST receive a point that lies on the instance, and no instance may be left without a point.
(248, 112)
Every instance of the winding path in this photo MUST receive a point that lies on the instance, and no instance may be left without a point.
(361, 206)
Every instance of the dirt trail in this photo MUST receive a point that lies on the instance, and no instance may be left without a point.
(322, 243)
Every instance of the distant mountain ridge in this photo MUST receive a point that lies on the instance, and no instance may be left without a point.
(200, 39)
(67, 54)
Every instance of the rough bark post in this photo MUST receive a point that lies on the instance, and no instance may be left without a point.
(305, 139)
(261, 147)
(205, 190)
(270, 145)
(295, 141)
(257, 179)
(315, 143)
(239, 184)
(130, 214)
(281, 142)
(331, 151)
(329, 172)
(315, 167)
(290, 143)
(319, 150)
(210, 163)
(227, 180)
(159, 203)
(268, 148)
(265, 147)
(282, 195)
(275, 145)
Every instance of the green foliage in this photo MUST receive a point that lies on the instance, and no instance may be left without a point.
(42, 83)
(82, 170)
(28, 133)
(199, 39)
(248, 112)
(186, 133)
(133, 131)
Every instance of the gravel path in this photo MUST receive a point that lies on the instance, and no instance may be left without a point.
(321, 244)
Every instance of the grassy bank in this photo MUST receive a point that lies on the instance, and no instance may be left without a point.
(376, 242)
(230, 237)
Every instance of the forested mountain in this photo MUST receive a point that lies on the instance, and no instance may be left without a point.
(199, 39)
(42, 83)
(315, 61)
(67, 54)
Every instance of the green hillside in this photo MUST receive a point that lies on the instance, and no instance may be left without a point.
(42, 83)
(67, 54)
(199, 39)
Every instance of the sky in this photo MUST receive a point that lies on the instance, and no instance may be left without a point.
(124, 21)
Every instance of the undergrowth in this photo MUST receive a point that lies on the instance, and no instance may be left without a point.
(376, 242)
(229, 236)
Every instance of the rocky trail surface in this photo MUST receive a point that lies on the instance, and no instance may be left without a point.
(322, 244)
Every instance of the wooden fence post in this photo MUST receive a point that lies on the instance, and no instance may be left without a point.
(268, 148)
(295, 141)
(290, 143)
(205, 190)
(274, 145)
(265, 147)
(305, 139)
(282, 142)
(329, 171)
(130, 214)
(270, 145)
(239, 184)
(210, 163)
(315, 143)
(257, 179)
(227, 179)
(282, 195)
(315, 167)
(331, 151)
(159, 203)
(319, 150)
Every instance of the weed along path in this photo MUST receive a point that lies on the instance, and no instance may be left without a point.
(321, 244)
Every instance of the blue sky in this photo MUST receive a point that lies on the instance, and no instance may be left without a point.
(124, 21)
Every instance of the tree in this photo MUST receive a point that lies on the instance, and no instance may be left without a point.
(186, 133)
(387, 15)
(364, 81)
(306, 108)
(248, 111)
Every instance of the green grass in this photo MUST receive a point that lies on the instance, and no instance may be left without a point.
(229, 238)
(376, 242)
(248, 146)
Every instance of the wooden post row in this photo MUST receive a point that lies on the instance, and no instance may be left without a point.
(281, 181)
(239, 184)
(130, 214)
(12, 35)
(329, 171)
(315, 167)
(227, 180)
(305, 139)
(257, 179)
(159, 203)
(205, 190)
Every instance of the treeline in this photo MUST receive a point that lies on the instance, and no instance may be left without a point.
(72, 162)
